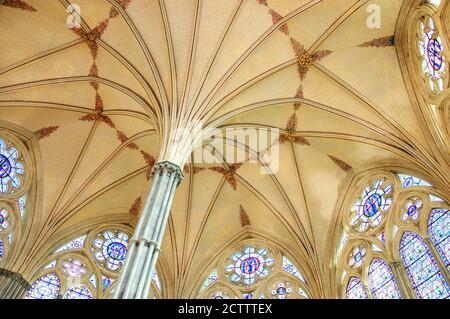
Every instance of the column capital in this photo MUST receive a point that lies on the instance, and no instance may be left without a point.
(169, 168)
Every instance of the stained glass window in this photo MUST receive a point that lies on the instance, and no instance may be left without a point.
(382, 281)
(290, 268)
(434, 198)
(439, 231)
(411, 181)
(281, 290)
(10, 168)
(73, 244)
(106, 282)
(367, 211)
(423, 272)
(212, 278)
(110, 249)
(355, 289)
(4, 219)
(412, 209)
(357, 256)
(74, 268)
(22, 205)
(248, 265)
(78, 292)
(432, 63)
(45, 287)
(156, 280)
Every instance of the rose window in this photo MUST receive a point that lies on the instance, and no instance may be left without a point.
(10, 168)
(110, 249)
(247, 266)
(374, 201)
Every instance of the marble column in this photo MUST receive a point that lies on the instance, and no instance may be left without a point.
(12, 285)
(145, 245)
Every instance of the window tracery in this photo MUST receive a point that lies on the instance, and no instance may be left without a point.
(395, 260)
(253, 270)
(15, 185)
(433, 64)
(86, 267)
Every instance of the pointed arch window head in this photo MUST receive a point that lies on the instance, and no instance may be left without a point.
(422, 269)
(439, 231)
(45, 287)
(355, 289)
(252, 269)
(375, 201)
(433, 64)
(86, 267)
(382, 281)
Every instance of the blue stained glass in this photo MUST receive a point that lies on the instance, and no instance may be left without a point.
(249, 265)
(375, 201)
(1, 248)
(423, 272)
(10, 168)
(290, 268)
(106, 282)
(45, 287)
(411, 181)
(73, 244)
(439, 231)
(78, 292)
(382, 281)
(212, 278)
(355, 289)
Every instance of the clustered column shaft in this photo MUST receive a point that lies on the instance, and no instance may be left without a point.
(136, 276)
(12, 285)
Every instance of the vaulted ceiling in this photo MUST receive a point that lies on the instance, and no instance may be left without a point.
(103, 98)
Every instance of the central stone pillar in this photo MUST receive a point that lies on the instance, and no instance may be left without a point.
(145, 245)
(12, 285)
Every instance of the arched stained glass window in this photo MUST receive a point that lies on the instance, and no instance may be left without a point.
(432, 63)
(355, 289)
(253, 270)
(78, 292)
(45, 287)
(439, 231)
(423, 272)
(382, 281)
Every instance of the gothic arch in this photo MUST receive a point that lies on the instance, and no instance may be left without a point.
(412, 200)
